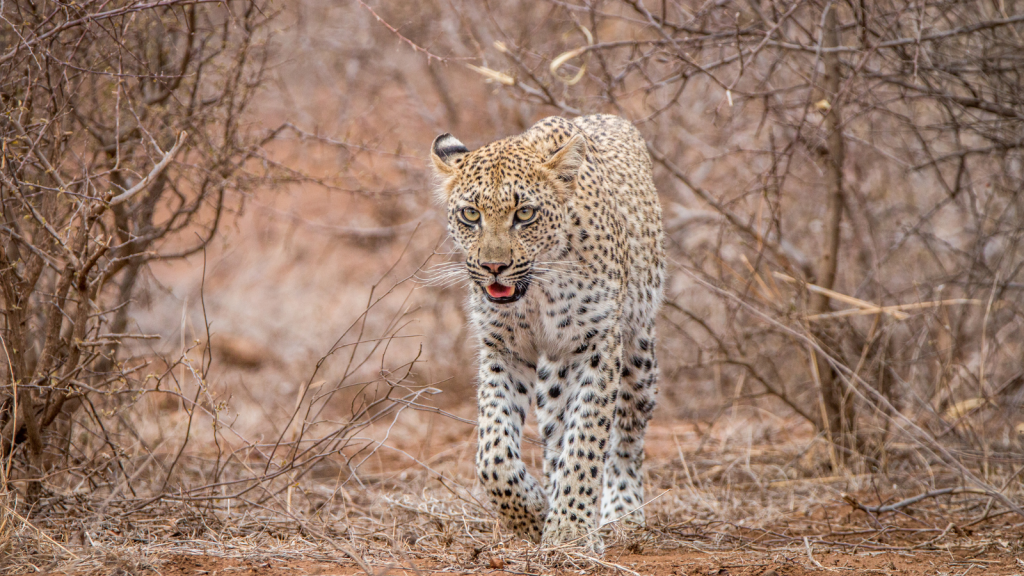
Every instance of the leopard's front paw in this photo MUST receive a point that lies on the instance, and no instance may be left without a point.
(525, 517)
(561, 530)
(527, 528)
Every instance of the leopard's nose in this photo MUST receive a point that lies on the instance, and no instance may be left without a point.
(495, 267)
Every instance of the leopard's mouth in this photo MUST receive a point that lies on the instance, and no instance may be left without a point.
(501, 294)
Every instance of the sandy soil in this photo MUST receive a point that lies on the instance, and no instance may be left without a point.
(731, 509)
(789, 562)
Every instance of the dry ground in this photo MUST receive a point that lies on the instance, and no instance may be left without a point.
(787, 562)
(733, 497)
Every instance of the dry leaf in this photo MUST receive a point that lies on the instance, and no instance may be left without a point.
(493, 75)
(963, 407)
(564, 57)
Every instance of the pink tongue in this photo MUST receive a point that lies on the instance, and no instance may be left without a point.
(498, 291)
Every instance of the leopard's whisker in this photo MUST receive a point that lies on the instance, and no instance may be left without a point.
(557, 262)
(442, 279)
(447, 266)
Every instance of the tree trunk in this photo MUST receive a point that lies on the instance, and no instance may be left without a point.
(839, 414)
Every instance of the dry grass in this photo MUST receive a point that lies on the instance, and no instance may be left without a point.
(6, 521)
(737, 488)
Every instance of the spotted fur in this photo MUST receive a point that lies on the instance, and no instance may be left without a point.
(576, 334)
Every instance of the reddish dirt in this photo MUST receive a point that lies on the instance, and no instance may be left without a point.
(911, 543)
(788, 562)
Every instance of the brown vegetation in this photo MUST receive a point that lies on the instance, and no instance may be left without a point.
(221, 334)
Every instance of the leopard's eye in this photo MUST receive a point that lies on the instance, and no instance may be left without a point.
(470, 215)
(525, 214)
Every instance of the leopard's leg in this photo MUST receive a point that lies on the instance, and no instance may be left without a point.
(552, 395)
(623, 476)
(503, 397)
(576, 478)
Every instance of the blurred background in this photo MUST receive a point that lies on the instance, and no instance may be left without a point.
(929, 179)
(842, 186)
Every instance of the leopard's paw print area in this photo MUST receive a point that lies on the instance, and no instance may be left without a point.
(562, 235)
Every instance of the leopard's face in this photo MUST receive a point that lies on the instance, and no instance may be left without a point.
(507, 233)
(506, 211)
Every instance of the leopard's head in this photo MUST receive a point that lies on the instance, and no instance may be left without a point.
(507, 207)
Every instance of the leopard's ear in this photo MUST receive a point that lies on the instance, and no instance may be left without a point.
(445, 150)
(565, 162)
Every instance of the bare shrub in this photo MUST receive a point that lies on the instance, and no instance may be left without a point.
(128, 140)
(123, 127)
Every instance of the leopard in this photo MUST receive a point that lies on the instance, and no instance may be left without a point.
(561, 232)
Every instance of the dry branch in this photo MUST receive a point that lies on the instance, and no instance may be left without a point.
(866, 307)
(157, 169)
(908, 501)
